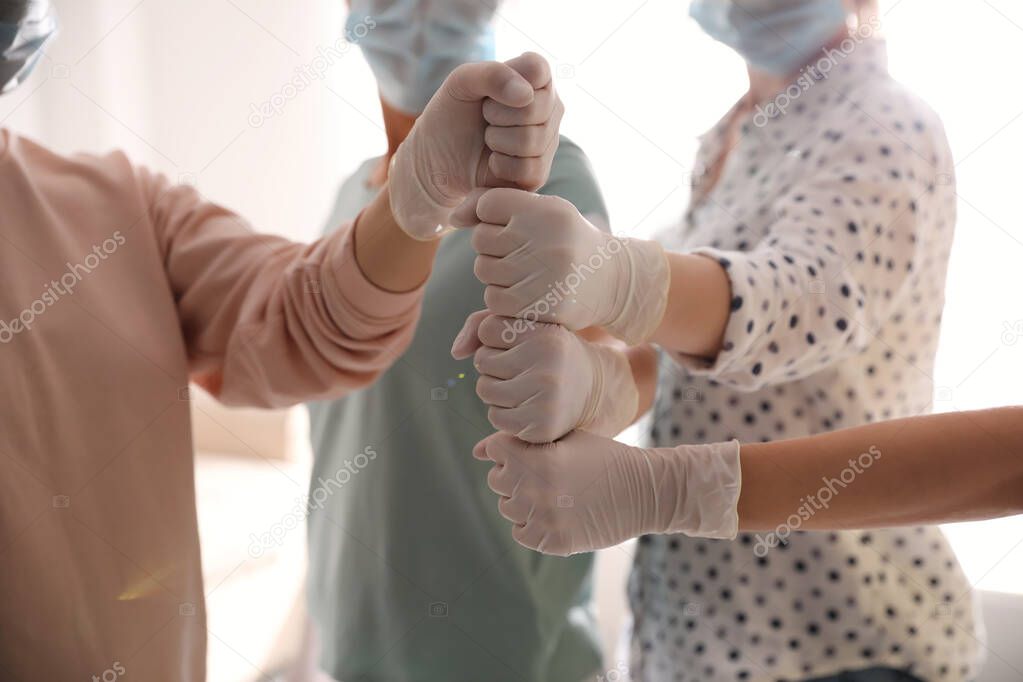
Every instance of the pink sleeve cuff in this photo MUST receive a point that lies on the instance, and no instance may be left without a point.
(373, 308)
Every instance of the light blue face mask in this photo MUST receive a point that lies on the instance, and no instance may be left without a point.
(776, 36)
(412, 45)
(21, 43)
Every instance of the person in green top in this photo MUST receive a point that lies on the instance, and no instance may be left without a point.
(413, 576)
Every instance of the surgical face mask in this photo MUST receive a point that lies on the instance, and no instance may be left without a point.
(412, 45)
(776, 36)
(21, 43)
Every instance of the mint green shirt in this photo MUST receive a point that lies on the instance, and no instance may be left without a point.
(414, 575)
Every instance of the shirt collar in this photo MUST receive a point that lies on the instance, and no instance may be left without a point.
(841, 67)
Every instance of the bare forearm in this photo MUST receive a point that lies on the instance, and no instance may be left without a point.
(387, 256)
(643, 360)
(699, 303)
(918, 470)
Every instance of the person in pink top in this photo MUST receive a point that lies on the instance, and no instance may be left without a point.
(119, 287)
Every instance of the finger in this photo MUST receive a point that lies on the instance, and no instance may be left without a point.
(493, 240)
(540, 111)
(479, 80)
(529, 173)
(514, 421)
(504, 301)
(504, 392)
(529, 535)
(533, 68)
(464, 214)
(497, 206)
(502, 480)
(516, 509)
(499, 447)
(479, 451)
(521, 141)
(468, 341)
(503, 272)
(544, 431)
(500, 364)
(498, 331)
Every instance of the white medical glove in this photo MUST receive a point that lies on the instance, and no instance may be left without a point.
(543, 261)
(586, 492)
(542, 381)
(489, 125)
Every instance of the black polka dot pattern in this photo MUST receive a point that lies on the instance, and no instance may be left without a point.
(834, 223)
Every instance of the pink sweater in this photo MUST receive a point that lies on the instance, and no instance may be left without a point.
(117, 287)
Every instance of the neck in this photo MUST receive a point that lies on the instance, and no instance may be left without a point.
(397, 126)
(764, 85)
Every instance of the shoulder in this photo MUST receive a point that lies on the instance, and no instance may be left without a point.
(886, 110)
(109, 179)
(109, 168)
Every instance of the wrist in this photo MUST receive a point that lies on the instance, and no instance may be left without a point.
(695, 325)
(387, 256)
(642, 279)
(701, 486)
(613, 398)
(417, 211)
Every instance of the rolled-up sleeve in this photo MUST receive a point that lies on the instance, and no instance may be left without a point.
(842, 246)
(268, 322)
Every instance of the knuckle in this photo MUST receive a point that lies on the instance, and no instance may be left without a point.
(492, 477)
(494, 297)
(501, 419)
(489, 331)
(560, 207)
(535, 139)
(492, 136)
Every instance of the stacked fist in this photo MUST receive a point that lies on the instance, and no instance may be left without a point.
(489, 125)
(555, 398)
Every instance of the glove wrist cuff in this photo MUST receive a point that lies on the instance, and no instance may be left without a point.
(613, 399)
(643, 291)
(708, 479)
(416, 212)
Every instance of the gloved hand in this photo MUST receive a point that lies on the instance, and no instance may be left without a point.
(542, 381)
(543, 261)
(586, 492)
(489, 125)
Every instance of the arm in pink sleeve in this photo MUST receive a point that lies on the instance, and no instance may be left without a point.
(269, 322)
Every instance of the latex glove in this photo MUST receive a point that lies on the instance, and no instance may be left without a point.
(586, 492)
(543, 261)
(542, 381)
(489, 125)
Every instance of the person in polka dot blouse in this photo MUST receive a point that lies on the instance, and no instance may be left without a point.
(802, 293)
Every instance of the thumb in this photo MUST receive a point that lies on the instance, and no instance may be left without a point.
(464, 214)
(533, 68)
(500, 82)
(468, 340)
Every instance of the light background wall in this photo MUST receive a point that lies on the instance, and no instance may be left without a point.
(173, 82)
